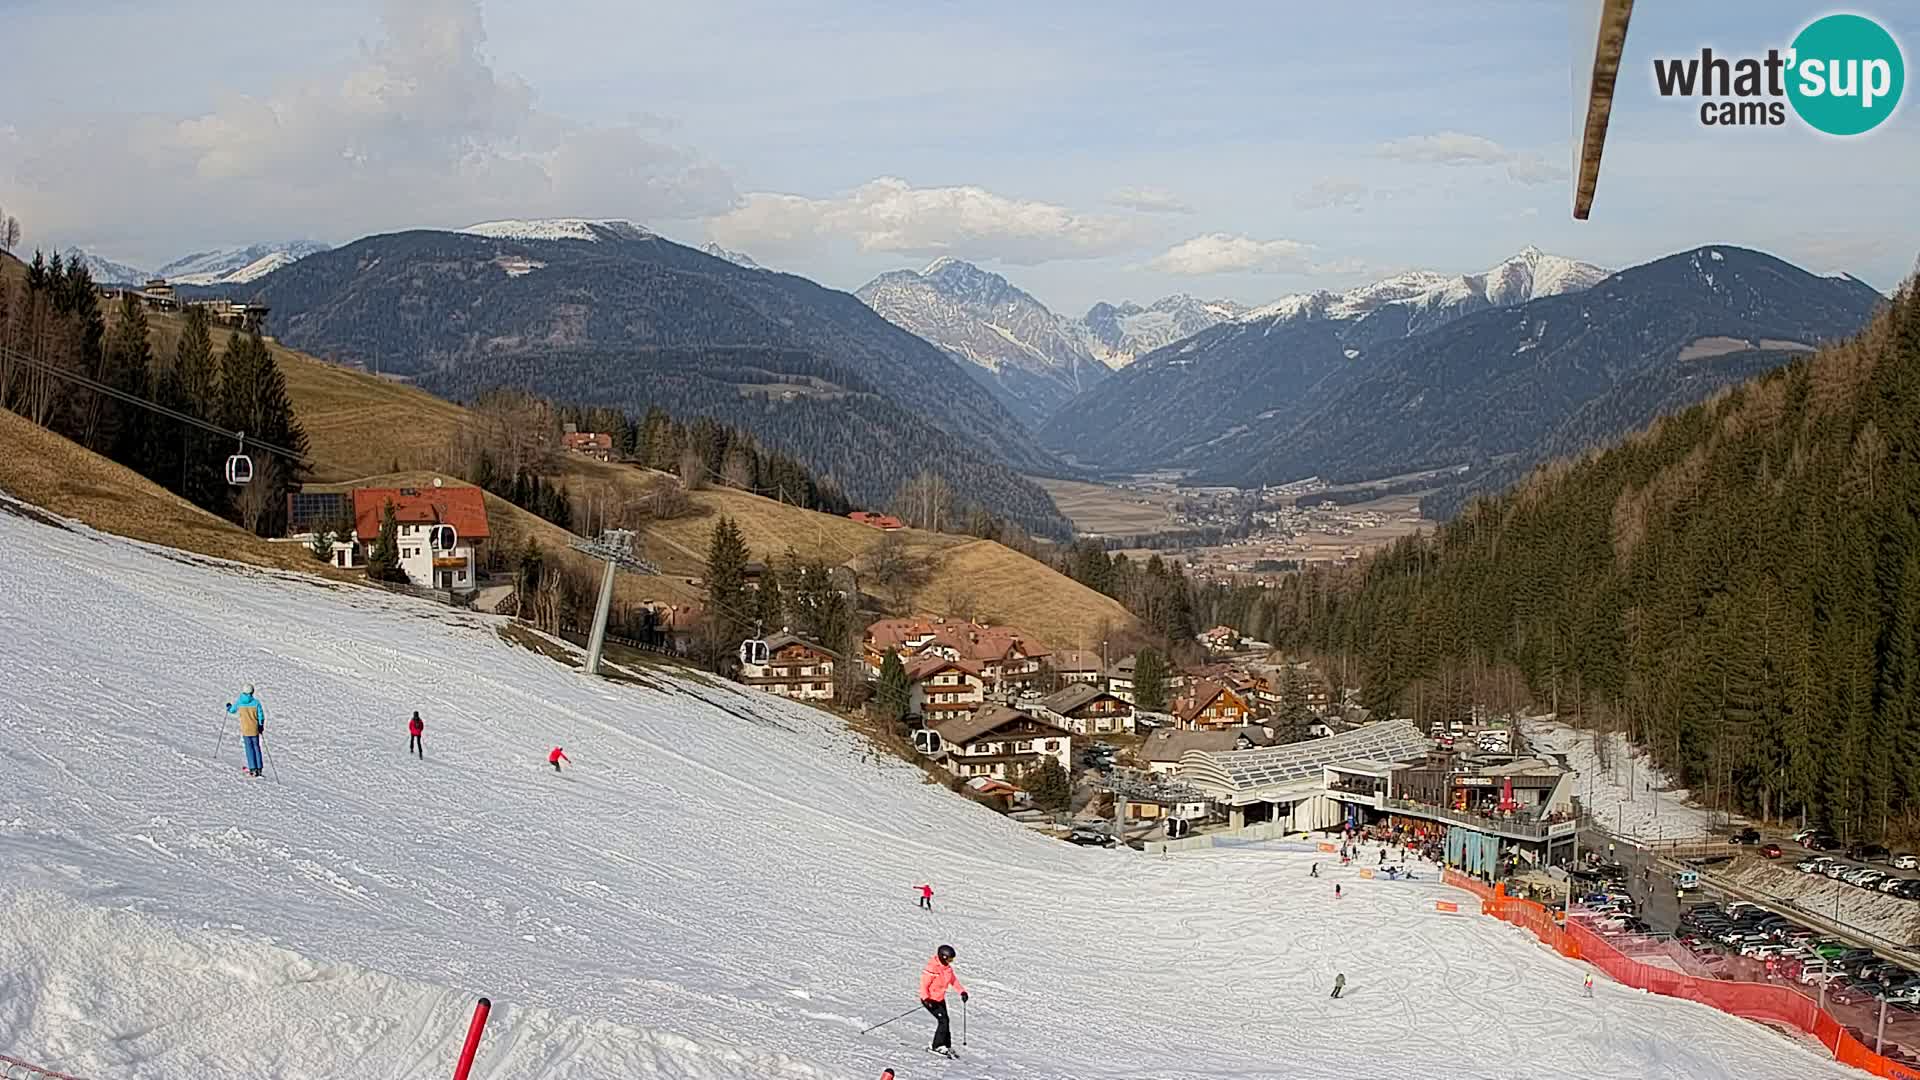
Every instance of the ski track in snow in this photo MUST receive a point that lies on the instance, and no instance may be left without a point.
(719, 889)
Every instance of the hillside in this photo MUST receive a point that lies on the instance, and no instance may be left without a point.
(359, 425)
(992, 581)
(49, 471)
(1303, 393)
(717, 890)
(622, 317)
(1737, 586)
(1210, 402)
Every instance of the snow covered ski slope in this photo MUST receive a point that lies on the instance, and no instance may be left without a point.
(721, 887)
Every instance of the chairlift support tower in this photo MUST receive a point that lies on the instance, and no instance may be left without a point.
(615, 548)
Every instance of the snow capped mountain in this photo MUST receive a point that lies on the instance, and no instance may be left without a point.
(1422, 299)
(1032, 357)
(237, 266)
(737, 258)
(106, 271)
(560, 229)
(1116, 335)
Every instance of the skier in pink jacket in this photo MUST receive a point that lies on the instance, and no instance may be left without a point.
(935, 979)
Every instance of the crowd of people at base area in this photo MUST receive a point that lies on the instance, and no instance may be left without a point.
(252, 715)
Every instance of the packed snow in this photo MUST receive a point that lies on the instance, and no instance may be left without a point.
(559, 229)
(720, 888)
(1629, 796)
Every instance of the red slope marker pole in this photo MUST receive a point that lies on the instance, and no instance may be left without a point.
(480, 1011)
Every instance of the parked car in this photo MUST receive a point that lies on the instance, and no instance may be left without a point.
(1836, 868)
(1821, 842)
(1813, 864)
(1748, 835)
(1867, 852)
(1908, 889)
(1905, 860)
(1888, 884)
(1817, 971)
(1089, 838)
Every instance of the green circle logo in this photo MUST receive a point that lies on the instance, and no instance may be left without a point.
(1847, 74)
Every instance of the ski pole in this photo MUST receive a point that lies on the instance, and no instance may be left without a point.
(963, 1021)
(884, 1023)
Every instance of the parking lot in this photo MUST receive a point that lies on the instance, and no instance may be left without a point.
(1633, 902)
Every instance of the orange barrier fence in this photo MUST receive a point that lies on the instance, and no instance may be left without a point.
(1461, 881)
(1772, 1003)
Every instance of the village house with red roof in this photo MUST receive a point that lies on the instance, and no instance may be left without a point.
(1005, 657)
(441, 531)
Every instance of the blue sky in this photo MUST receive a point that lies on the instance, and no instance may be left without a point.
(1088, 151)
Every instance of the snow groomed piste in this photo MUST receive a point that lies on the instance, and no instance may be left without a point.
(720, 887)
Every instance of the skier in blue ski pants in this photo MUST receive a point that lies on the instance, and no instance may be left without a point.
(253, 724)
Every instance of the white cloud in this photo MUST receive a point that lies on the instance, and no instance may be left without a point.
(1447, 148)
(1533, 169)
(1223, 253)
(1455, 148)
(1331, 191)
(421, 120)
(1150, 200)
(890, 215)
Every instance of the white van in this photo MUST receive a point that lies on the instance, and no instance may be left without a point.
(1818, 970)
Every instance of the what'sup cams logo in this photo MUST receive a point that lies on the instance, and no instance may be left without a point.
(1842, 75)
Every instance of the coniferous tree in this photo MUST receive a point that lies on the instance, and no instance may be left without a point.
(383, 559)
(892, 692)
(1150, 672)
(1049, 785)
(728, 607)
(253, 395)
(202, 479)
(321, 544)
(129, 363)
(769, 600)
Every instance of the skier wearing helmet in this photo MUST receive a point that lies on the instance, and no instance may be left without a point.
(935, 979)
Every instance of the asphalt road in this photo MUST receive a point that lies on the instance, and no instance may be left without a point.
(1658, 905)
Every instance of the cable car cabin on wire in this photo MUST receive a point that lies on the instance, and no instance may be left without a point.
(240, 466)
(753, 652)
(443, 538)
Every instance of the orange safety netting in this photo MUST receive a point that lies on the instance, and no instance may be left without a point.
(1768, 1002)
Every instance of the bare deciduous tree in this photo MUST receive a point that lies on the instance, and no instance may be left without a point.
(693, 470)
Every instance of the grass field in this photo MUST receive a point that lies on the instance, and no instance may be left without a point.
(1101, 508)
(53, 472)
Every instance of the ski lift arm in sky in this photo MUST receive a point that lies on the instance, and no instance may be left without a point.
(1608, 46)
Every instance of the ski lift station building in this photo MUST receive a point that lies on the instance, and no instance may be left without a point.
(1384, 772)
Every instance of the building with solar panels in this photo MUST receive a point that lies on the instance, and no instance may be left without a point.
(1388, 774)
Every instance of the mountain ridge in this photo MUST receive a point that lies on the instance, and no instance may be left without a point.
(615, 315)
(1030, 357)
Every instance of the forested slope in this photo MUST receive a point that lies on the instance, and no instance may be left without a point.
(1738, 585)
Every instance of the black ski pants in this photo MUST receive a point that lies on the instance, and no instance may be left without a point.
(942, 1032)
(413, 746)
